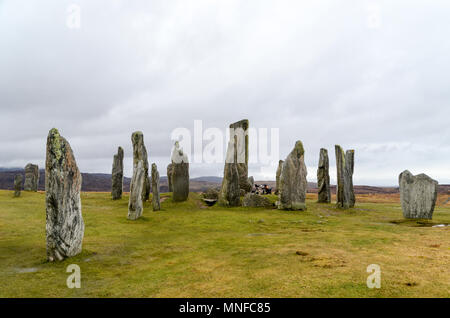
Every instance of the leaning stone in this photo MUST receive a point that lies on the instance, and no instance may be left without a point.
(293, 184)
(65, 225)
(345, 195)
(418, 195)
(135, 204)
(180, 174)
(230, 191)
(277, 179)
(169, 177)
(140, 153)
(18, 178)
(155, 189)
(31, 177)
(117, 175)
(256, 201)
(323, 178)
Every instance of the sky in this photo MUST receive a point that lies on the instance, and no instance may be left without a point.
(368, 75)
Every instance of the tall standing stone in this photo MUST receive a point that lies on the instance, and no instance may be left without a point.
(323, 178)
(65, 225)
(117, 175)
(18, 178)
(418, 195)
(180, 174)
(239, 138)
(293, 183)
(230, 192)
(140, 153)
(277, 178)
(155, 188)
(31, 177)
(135, 204)
(345, 195)
(169, 177)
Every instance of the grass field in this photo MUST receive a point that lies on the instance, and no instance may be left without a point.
(188, 250)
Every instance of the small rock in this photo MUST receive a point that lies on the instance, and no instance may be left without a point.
(256, 201)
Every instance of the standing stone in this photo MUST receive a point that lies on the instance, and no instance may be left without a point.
(230, 192)
(155, 189)
(418, 195)
(239, 138)
(31, 177)
(117, 175)
(140, 153)
(169, 177)
(17, 184)
(65, 225)
(251, 182)
(135, 204)
(277, 179)
(345, 194)
(180, 174)
(323, 178)
(293, 184)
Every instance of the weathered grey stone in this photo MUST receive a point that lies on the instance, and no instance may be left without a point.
(345, 195)
(180, 174)
(211, 193)
(323, 178)
(140, 153)
(251, 182)
(230, 191)
(117, 175)
(239, 145)
(169, 177)
(65, 225)
(31, 177)
(256, 200)
(418, 195)
(293, 184)
(155, 188)
(18, 178)
(135, 204)
(277, 179)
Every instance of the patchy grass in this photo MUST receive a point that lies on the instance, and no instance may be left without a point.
(189, 250)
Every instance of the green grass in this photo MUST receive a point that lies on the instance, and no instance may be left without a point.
(189, 250)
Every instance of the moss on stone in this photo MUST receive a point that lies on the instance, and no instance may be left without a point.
(55, 143)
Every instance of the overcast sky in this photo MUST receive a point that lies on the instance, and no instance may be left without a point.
(373, 76)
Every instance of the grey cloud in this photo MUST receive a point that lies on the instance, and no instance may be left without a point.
(315, 70)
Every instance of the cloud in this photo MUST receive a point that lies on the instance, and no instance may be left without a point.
(322, 72)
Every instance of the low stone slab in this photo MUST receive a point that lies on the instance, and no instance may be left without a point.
(256, 201)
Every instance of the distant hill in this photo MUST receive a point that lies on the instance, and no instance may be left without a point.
(101, 182)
